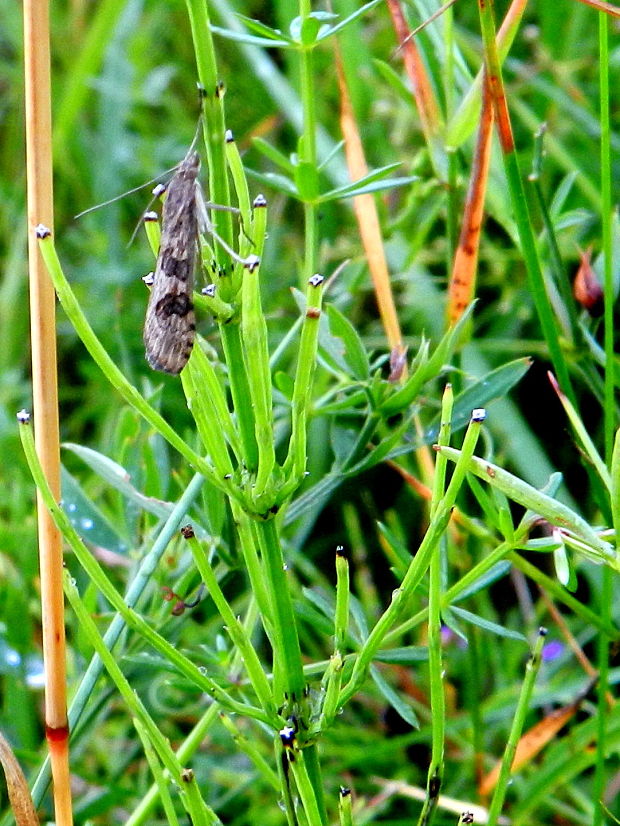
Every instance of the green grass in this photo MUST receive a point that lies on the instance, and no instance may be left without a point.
(354, 633)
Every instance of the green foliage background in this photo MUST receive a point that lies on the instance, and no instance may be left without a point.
(125, 109)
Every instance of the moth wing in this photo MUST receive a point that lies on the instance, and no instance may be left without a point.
(170, 323)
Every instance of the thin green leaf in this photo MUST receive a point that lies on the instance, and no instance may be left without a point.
(358, 13)
(487, 625)
(428, 368)
(495, 385)
(118, 478)
(401, 556)
(275, 156)
(352, 401)
(250, 40)
(400, 706)
(498, 571)
(262, 29)
(87, 519)
(379, 186)
(409, 655)
(561, 193)
(376, 175)
(380, 452)
(395, 80)
(354, 352)
(275, 181)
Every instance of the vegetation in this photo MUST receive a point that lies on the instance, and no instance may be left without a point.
(360, 558)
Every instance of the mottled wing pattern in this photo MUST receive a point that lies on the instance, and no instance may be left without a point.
(170, 322)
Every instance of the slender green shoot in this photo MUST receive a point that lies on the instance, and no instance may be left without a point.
(417, 569)
(102, 582)
(435, 775)
(523, 706)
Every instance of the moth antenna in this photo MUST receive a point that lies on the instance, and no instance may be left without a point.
(196, 133)
(136, 229)
(124, 194)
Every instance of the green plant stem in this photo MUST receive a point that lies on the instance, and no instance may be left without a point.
(343, 595)
(330, 689)
(256, 350)
(240, 391)
(134, 592)
(418, 567)
(305, 788)
(234, 627)
(466, 117)
(207, 401)
(344, 807)
(143, 812)
(610, 414)
(551, 509)
(602, 656)
(196, 388)
(606, 226)
(194, 739)
(519, 201)
(235, 165)
(435, 660)
(506, 550)
(614, 493)
(248, 544)
(195, 806)
(284, 773)
(313, 767)
(158, 775)
(295, 463)
(214, 125)
(287, 667)
(307, 145)
(331, 682)
(219, 190)
(250, 748)
(310, 239)
(132, 619)
(523, 705)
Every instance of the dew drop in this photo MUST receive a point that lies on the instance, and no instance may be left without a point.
(35, 676)
(13, 658)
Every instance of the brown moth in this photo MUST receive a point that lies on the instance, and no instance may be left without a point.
(169, 326)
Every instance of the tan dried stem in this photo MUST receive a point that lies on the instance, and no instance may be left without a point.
(601, 5)
(368, 221)
(45, 392)
(463, 278)
(428, 108)
(17, 787)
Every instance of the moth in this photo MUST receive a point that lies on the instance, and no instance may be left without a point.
(170, 323)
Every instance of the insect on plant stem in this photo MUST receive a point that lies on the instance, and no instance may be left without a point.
(169, 326)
